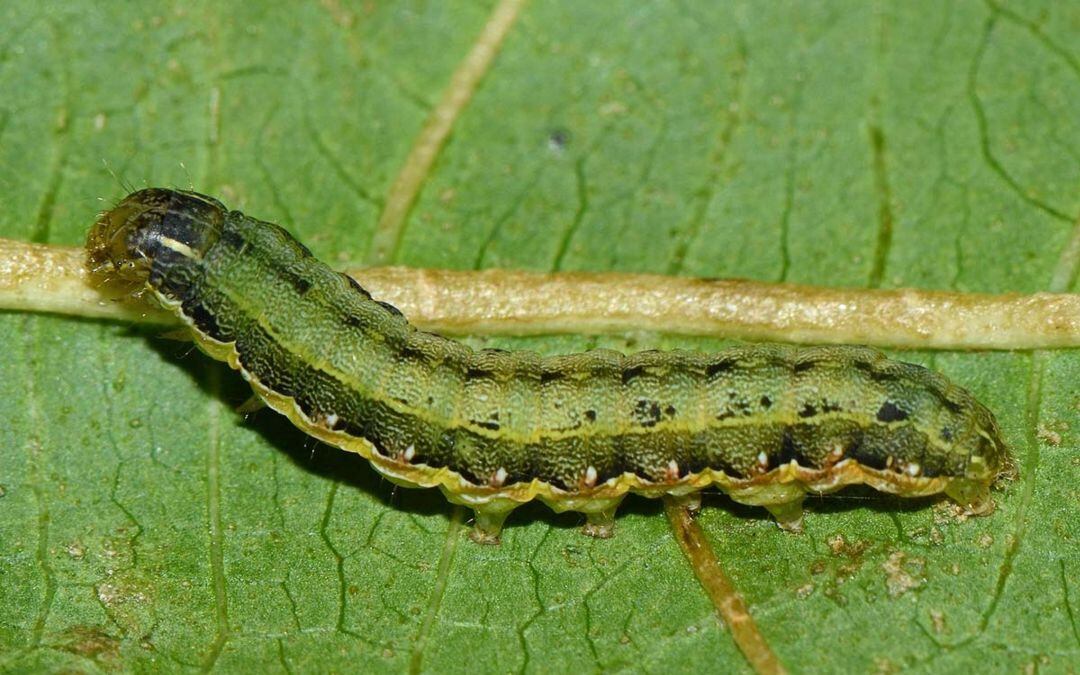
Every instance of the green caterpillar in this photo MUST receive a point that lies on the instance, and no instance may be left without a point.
(494, 429)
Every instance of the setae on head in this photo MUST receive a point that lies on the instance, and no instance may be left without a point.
(152, 228)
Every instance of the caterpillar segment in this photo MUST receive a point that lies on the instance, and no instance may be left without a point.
(493, 429)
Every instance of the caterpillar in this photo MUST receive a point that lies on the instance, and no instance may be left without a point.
(494, 429)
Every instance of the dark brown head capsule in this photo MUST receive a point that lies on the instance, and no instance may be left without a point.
(155, 235)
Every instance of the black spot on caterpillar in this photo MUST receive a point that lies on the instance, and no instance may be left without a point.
(890, 412)
(494, 429)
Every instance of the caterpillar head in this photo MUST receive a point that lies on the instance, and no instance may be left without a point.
(152, 230)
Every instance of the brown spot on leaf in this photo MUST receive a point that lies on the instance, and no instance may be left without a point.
(903, 573)
(89, 642)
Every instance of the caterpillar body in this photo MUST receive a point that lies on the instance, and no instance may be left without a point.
(494, 429)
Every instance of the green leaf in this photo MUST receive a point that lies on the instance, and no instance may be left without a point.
(144, 525)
